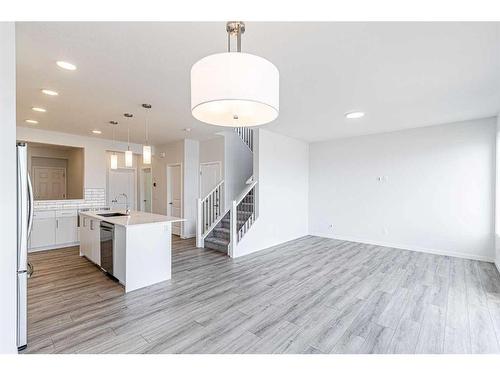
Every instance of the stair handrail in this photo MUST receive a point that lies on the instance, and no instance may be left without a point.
(245, 192)
(207, 219)
(211, 191)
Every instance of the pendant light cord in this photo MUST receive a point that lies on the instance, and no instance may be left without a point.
(128, 137)
(147, 134)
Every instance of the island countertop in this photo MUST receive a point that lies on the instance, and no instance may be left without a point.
(135, 217)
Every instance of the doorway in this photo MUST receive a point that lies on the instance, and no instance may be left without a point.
(146, 189)
(210, 176)
(174, 195)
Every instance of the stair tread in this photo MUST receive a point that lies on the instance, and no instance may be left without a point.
(221, 229)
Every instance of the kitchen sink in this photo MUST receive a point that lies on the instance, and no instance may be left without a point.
(113, 214)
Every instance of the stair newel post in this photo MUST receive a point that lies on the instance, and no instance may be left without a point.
(199, 224)
(234, 231)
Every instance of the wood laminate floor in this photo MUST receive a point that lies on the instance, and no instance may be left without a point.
(311, 295)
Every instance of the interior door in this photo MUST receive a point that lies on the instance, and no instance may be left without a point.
(174, 195)
(210, 176)
(121, 181)
(49, 182)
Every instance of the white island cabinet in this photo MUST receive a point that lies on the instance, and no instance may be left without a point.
(142, 246)
(90, 245)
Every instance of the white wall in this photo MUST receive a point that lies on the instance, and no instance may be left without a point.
(8, 252)
(212, 150)
(282, 169)
(185, 152)
(436, 193)
(94, 150)
(174, 154)
(238, 166)
(191, 186)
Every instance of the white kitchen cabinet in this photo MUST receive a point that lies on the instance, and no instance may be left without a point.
(94, 240)
(53, 229)
(43, 233)
(66, 230)
(84, 237)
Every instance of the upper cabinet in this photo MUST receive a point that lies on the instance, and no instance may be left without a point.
(57, 172)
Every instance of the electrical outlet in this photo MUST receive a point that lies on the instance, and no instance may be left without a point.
(330, 226)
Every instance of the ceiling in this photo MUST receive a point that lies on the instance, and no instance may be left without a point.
(403, 75)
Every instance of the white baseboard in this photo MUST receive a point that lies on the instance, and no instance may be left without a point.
(411, 248)
(53, 247)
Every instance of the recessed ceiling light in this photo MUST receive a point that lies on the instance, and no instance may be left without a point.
(356, 114)
(31, 121)
(96, 131)
(38, 109)
(50, 92)
(66, 65)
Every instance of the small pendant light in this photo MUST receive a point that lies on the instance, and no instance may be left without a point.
(128, 153)
(146, 149)
(114, 157)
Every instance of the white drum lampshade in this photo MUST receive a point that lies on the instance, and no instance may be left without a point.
(146, 154)
(114, 161)
(128, 159)
(234, 89)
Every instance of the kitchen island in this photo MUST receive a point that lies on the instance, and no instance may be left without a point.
(136, 249)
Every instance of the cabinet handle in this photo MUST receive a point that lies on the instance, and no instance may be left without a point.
(91, 224)
(57, 223)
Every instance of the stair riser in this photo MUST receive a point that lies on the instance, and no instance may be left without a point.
(216, 246)
(221, 234)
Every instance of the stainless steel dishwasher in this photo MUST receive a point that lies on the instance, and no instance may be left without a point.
(107, 237)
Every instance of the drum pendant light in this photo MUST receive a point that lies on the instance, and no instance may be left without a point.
(233, 88)
(128, 153)
(146, 149)
(114, 157)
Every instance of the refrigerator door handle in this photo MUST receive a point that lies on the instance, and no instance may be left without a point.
(30, 205)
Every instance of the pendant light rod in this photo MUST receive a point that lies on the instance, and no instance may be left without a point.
(147, 106)
(234, 28)
(128, 115)
(113, 124)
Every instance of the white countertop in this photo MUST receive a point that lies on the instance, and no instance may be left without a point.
(135, 218)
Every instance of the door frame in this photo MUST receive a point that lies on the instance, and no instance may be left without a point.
(35, 167)
(208, 163)
(169, 191)
(141, 191)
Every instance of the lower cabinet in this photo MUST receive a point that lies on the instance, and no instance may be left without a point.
(90, 239)
(43, 233)
(66, 231)
(53, 229)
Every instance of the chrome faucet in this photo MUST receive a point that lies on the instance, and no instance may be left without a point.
(127, 210)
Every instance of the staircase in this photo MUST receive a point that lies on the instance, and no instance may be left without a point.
(220, 237)
(221, 230)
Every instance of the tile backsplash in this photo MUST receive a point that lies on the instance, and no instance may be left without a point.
(93, 197)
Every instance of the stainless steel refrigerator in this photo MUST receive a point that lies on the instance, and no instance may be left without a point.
(24, 223)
